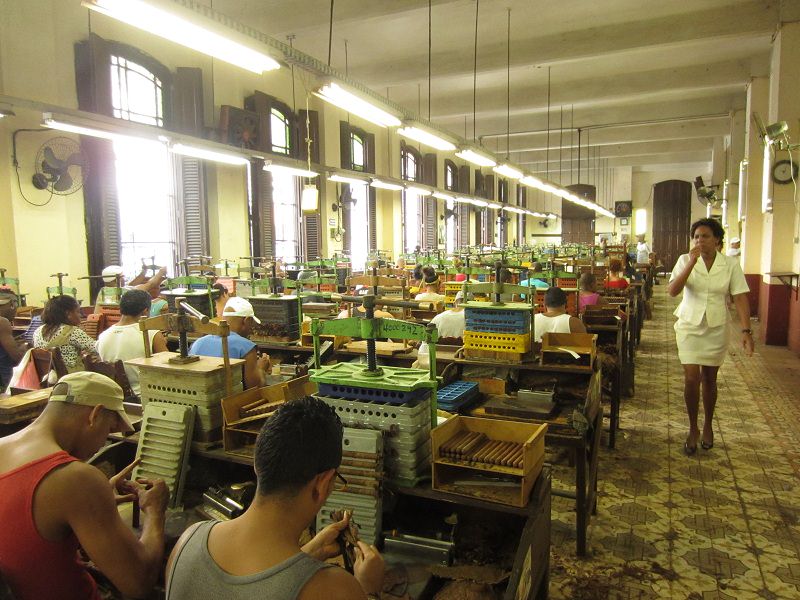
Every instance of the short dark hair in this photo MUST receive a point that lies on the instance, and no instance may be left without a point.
(301, 439)
(418, 272)
(588, 281)
(615, 265)
(55, 313)
(134, 302)
(715, 226)
(555, 297)
(223, 291)
(505, 275)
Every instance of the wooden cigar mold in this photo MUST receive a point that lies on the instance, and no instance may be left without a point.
(473, 447)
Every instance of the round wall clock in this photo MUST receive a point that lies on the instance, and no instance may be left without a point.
(783, 171)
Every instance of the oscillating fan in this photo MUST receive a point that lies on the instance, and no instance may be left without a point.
(60, 166)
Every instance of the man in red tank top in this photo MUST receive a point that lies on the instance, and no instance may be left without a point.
(51, 502)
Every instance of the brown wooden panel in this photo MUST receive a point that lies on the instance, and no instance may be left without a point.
(671, 220)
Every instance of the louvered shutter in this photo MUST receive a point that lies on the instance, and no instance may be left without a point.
(313, 236)
(101, 203)
(193, 203)
(489, 215)
(372, 215)
(429, 210)
(462, 209)
(312, 223)
(522, 220)
(263, 221)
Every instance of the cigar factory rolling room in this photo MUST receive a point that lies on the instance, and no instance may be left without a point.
(399, 300)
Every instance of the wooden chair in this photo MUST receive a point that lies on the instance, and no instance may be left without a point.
(113, 370)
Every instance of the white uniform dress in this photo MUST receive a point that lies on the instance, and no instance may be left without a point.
(702, 327)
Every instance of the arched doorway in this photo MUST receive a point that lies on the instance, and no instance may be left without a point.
(672, 212)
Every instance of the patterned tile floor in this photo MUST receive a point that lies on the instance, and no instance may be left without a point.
(722, 524)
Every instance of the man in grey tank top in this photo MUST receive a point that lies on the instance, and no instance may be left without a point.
(258, 555)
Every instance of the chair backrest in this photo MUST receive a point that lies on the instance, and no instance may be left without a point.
(59, 366)
(113, 370)
(42, 360)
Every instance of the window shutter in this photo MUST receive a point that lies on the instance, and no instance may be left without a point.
(101, 203)
(262, 219)
(462, 210)
(187, 101)
(488, 186)
(522, 220)
(313, 234)
(373, 218)
(429, 210)
(192, 202)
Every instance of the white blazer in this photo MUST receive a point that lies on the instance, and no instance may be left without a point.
(706, 291)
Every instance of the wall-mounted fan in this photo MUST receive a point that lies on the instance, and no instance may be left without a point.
(448, 212)
(707, 194)
(60, 166)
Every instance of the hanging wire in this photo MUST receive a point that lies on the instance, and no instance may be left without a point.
(290, 39)
(547, 154)
(475, 76)
(430, 45)
(571, 143)
(508, 86)
(560, 143)
(330, 34)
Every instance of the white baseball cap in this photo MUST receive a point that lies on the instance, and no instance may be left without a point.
(239, 307)
(92, 389)
(735, 240)
(111, 272)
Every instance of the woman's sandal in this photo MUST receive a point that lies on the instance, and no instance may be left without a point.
(689, 450)
(706, 446)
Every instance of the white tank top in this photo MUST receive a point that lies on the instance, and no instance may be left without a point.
(543, 324)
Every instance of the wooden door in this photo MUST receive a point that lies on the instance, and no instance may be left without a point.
(577, 222)
(671, 220)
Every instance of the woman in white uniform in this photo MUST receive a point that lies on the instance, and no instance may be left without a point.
(706, 277)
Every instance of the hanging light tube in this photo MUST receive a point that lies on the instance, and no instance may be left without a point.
(385, 185)
(418, 191)
(296, 171)
(475, 158)
(338, 96)
(531, 181)
(97, 130)
(425, 137)
(346, 179)
(507, 170)
(175, 28)
(443, 196)
(206, 154)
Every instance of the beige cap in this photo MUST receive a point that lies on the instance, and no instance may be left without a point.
(239, 307)
(91, 389)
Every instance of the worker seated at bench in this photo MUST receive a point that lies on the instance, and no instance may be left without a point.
(112, 276)
(588, 294)
(616, 279)
(11, 351)
(555, 318)
(432, 282)
(124, 341)
(51, 502)
(61, 320)
(533, 281)
(258, 555)
(239, 314)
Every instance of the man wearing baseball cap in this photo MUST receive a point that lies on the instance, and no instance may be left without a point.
(51, 502)
(239, 314)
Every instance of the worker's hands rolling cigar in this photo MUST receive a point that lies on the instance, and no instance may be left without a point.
(124, 489)
(153, 495)
(369, 569)
(264, 363)
(325, 544)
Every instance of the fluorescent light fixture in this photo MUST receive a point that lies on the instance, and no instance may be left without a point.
(418, 191)
(443, 196)
(494, 205)
(508, 171)
(297, 172)
(475, 158)
(514, 209)
(175, 28)
(741, 209)
(309, 199)
(348, 180)
(50, 121)
(551, 216)
(426, 137)
(6, 112)
(338, 96)
(385, 185)
(479, 203)
(531, 181)
(206, 154)
(550, 189)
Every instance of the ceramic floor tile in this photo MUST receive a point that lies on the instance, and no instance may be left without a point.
(723, 524)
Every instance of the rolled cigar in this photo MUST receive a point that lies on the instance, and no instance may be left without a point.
(519, 460)
(362, 462)
(458, 450)
(471, 443)
(494, 457)
(495, 447)
(366, 455)
(517, 453)
(479, 449)
(475, 443)
(505, 455)
(485, 450)
(449, 446)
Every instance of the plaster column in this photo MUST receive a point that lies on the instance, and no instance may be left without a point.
(751, 223)
(778, 309)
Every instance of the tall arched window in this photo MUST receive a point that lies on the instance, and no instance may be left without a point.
(410, 170)
(359, 212)
(280, 132)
